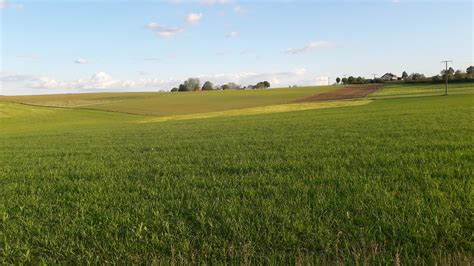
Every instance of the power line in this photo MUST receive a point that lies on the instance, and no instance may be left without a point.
(446, 75)
(374, 78)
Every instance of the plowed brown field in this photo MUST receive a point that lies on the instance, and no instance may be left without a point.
(355, 91)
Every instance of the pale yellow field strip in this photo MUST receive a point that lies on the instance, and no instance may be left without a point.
(13, 110)
(280, 108)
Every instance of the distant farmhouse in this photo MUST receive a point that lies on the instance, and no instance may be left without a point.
(389, 77)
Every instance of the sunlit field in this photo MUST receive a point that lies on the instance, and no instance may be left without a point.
(370, 181)
(413, 90)
(233, 132)
(164, 104)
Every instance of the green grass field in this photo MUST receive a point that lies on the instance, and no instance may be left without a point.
(385, 182)
(414, 90)
(165, 104)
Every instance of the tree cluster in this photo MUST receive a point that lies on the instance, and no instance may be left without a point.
(194, 84)
(416, 76)
(450, 73)
(455, 75)
(352, 80)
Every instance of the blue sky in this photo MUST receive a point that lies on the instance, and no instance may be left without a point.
(83, 46)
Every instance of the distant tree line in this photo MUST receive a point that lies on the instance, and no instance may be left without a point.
(453, 75)
(194, 84)
(352, 80)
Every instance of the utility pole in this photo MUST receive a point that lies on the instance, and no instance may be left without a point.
(446, 76)
(374, 78)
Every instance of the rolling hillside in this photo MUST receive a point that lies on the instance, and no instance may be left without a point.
(162, 104)
(386, 181)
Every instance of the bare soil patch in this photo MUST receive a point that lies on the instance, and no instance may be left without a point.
(352, 92)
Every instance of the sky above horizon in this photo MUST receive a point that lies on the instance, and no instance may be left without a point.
(91, 46)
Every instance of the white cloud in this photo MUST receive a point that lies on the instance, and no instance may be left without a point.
(16, 78)
(152, 59)
(232, 34)
(214, 2)
(28, 56)
(46, 82)
(15, 6)
(163, 31)
(311, 46)
(101, 78)
(320, 81)
(299, 71)
(81, 61)
(238, 9)
(221, 53)
(194, 18)
(276, 78)
(102, 81)
(5, 4)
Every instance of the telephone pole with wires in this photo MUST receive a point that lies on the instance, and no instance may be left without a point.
(446, 76)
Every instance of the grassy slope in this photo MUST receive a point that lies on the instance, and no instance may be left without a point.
(279, 108)
(18, 118)
(411, 90)
(164, 104)
(389, 179)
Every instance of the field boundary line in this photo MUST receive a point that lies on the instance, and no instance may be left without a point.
(76, 108)
(270, 109)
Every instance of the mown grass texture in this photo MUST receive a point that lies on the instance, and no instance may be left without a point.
(384, 182)
(166, 104)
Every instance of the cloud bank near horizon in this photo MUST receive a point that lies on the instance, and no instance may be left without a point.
(102, 81)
